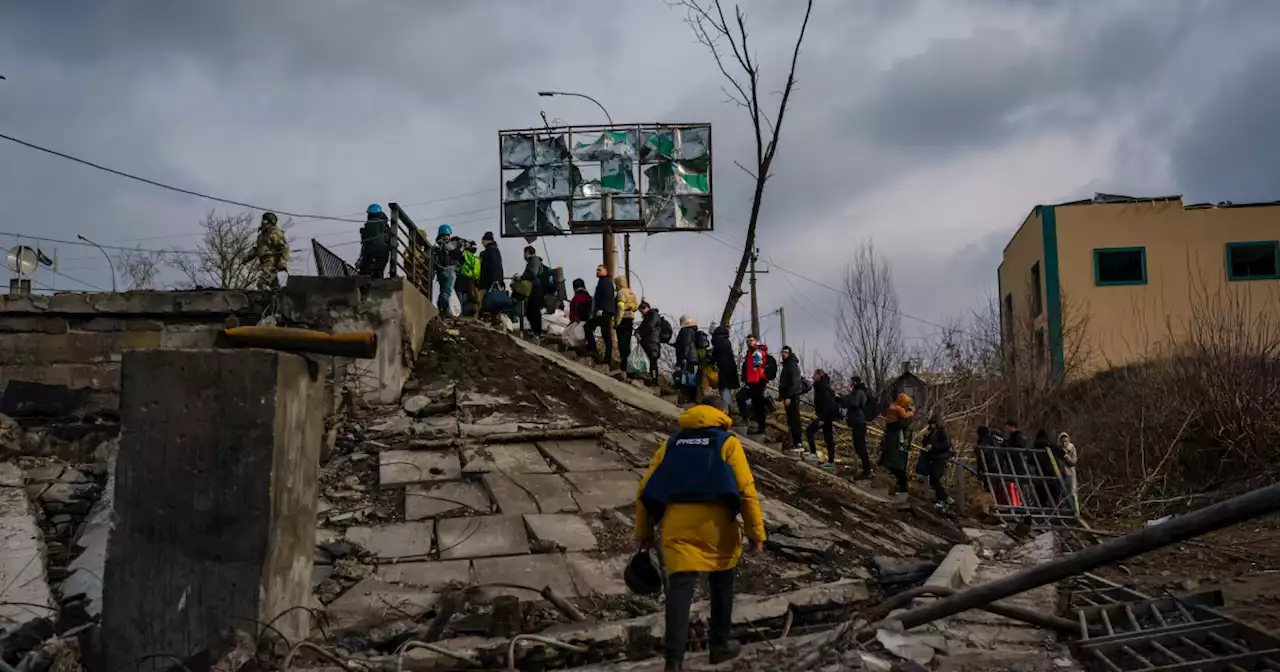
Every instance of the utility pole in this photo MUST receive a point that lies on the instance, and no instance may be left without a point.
(626, 256)
(782, 319)
(755, 304)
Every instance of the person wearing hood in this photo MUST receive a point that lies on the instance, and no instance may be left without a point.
(627, 306)
(375, 243)
(448, 256)
(491, 264)
(1068, 455)
(533, 270)
(1013, 436)
(756, 374)
(937, 445)
(897, 441)
(697, 485)
(860, 404)
(686, 371)
(790, 387)
(603, 306)
(725, 363)
(828, 411)
(648, 334)
(580, 304)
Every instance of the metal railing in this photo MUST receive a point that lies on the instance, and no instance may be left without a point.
(328, 264)
(411, 251)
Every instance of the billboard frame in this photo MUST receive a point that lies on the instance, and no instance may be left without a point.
(605, 224)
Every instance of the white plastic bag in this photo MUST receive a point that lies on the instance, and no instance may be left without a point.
(638, 363)
(575, 335)
(455, 306)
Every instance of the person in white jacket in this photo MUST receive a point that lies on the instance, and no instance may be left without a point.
(1069, 457)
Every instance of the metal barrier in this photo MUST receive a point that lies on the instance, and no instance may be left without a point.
(411, 251)
(328, 264)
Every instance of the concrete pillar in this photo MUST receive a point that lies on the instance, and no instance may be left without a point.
(216, 486)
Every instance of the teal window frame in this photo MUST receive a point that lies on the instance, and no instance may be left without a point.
(1097, 274)
(1275, 251)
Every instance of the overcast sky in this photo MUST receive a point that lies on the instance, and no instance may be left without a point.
(930, 127)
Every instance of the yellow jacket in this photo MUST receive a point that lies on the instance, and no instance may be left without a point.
(704, 536)
(627, 301)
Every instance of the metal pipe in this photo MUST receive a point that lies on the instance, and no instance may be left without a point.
(104, 253)
(355, 345)
(1038, 619)
(1250, 505)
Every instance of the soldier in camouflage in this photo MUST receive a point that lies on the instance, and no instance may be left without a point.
(271, 252)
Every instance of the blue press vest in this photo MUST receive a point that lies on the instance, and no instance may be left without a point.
(692, 470)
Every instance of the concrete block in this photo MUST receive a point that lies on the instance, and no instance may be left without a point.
(33, 325)
(535, 571)
(426, 574)
(599, 490)
(582, 456)
(103, 377)
(406, 467)
(396, 541)
(509, 496)
(73, 347)
(508, 458)
(429, 501)
(482, 537)
(956, 571)
(550, 492)
(118, 324)
(597, 576)
(565, 530)
(22, 574)
(371, 603)
(215, 507)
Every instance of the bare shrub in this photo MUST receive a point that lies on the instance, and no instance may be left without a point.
(220, 259)
(868, 320)
(140, 267)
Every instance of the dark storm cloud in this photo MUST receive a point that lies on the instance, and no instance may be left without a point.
(1231, 150)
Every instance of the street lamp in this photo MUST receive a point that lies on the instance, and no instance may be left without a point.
(109, 264)
(552, 94)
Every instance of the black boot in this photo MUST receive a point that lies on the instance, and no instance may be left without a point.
(725, 652)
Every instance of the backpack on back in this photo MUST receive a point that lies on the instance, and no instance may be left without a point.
(470, 266)
(771, 368)
(664, 330)
(702, 340)
(547, 279)
(806, 386)
(871, 409)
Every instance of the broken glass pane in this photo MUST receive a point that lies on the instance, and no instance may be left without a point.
(543, 183)
(626, 209)
(677, 212)
(529, 217)
(617, 176)
(668, 177)
(525, 151)
(609, 145)
(684, 144)
(590, 210)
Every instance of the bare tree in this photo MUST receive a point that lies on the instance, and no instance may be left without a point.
(727, 43)
(868, 322)
(219, 259)
(140, 267)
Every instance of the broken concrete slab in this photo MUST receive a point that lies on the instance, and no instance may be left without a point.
(600, 490)
(585, 455)
(638, 448)
(396, 540)
(551, 492)
(566, 530)
(992, 539)
(371, 603)
(482, 537)
(426, 574)
(429, 501)
(598, 576)
(508, 458)
(435, 427)
(534, 571)
(26, 594)
(510, 497)
(407, 467)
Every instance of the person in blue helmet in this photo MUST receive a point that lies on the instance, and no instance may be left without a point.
(375, 243)
(448, 256)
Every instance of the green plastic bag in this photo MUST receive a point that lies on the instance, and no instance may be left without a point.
(638, 363)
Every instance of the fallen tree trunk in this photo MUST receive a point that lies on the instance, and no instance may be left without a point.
(1038, 619)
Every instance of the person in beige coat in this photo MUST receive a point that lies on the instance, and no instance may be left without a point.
(1069, 456)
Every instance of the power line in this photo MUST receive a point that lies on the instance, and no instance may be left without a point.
(170, 187)
(21, 236)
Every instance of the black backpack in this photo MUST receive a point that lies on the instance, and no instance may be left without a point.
(805, 385)
(547, 279)
(871, 409)
(771, 368)
(703, 341)
(664, 330)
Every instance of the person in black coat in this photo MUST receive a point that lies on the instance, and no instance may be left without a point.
(827, 408)
(790, 387)
(533, 270)
(375, 243)
(726, 364)
(490, 265)
(649, 336)
(686, 371)
(858, 401)
(604, 307)
(938, 452)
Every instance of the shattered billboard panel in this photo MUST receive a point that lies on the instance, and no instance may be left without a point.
(624, 177)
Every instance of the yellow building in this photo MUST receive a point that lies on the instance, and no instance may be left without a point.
(1093, 284)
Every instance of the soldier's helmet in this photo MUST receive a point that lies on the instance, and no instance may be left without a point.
(269, 218)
